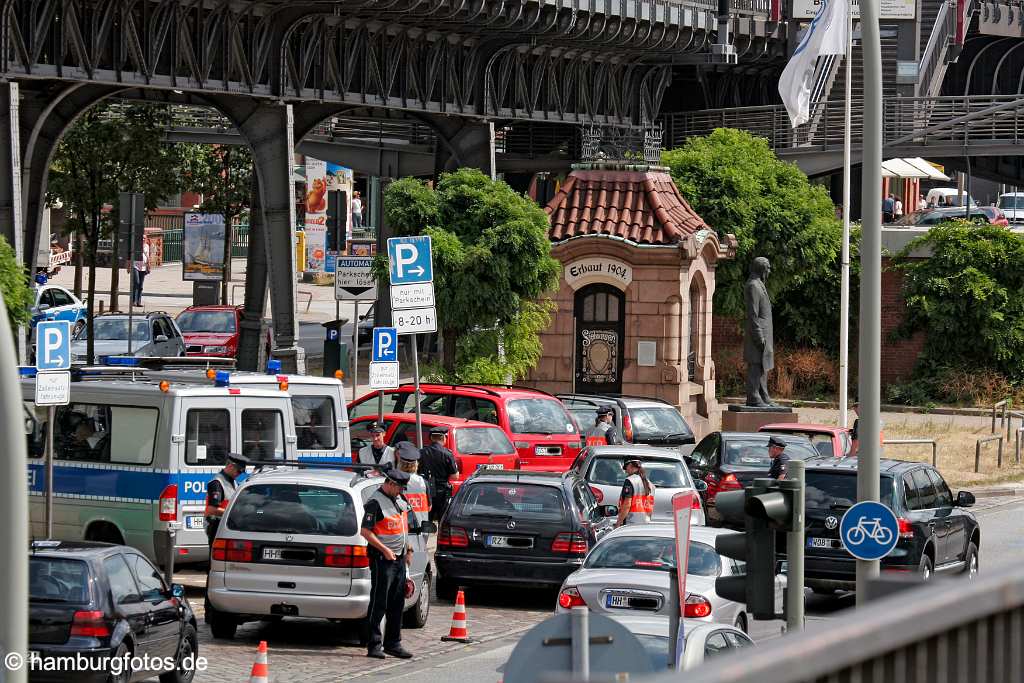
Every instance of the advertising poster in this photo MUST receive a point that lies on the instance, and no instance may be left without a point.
(888, 9)
(202, 245)
(316, 214)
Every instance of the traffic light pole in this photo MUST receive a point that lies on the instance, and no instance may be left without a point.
(795, 548)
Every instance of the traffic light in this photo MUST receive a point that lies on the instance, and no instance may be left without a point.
(131, 225)
(337, 219)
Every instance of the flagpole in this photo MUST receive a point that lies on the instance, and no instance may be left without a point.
(844, 295)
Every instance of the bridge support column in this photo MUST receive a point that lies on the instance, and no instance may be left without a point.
(11, 211)
(251, 333)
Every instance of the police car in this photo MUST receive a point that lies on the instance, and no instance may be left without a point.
(53, 302)
(289, 546)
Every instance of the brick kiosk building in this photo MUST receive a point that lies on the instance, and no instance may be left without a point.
(634, 300)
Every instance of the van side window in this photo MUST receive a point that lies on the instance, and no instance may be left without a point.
(207, 437)
(262, 434)
(315, 425)
(89, 432)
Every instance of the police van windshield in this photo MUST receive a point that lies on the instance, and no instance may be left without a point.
(293, 509)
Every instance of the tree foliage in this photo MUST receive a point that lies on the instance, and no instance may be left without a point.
(14, 285)
(492, 262)
(738, 185)
(968, 297)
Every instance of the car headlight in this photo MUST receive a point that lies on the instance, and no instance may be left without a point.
(215, 349)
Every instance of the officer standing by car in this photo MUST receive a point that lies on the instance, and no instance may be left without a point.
(220, 491)
(636, 502)
(780, 461)
(386, 529)
(438, 465)
(416, 492)
(604, 432)
(377, 453)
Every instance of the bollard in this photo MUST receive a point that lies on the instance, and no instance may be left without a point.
(581, 643)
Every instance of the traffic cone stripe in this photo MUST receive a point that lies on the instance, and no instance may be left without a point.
(459, 631)
(260, 668)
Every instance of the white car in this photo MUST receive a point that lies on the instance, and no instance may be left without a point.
(701, 641)
(1012, 204)
(627, 573)
(153, 335)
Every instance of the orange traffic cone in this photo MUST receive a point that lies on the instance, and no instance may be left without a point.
(458, 633)
(260, 673)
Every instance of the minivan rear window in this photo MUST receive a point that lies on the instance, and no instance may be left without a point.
(534, 502)
(832, 490)
(58, 580)
(661, 473)
(539, 416)
(293, 509)
(482, 440)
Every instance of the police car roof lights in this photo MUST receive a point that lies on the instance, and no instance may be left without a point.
(222, 378)
(26, 371)
(273, 366)
(123, 361)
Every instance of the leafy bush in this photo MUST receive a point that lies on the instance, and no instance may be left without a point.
(14, 285)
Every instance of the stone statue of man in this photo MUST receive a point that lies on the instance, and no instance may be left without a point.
(758, 350)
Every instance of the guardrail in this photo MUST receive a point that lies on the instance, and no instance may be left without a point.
(977, 451)
(1005, 405)
(906, 442)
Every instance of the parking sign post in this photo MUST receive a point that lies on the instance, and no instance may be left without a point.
(53, 388)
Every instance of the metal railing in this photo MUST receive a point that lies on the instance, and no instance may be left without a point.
(977, 451)
(936, 53)
(907, 442)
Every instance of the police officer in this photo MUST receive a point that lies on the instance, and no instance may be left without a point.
(220, 491)
(438, 465)
(386, 529)
(636, 502)
(416, 492)
(780, 461)
(377, 453)
(604, 432)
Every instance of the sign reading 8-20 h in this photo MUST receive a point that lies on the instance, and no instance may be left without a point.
(888, 9)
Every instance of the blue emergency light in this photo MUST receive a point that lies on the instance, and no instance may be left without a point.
(26, 371)
(121, 361)
(273, 366)
(222, 378)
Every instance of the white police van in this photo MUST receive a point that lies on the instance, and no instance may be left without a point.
(133, 455)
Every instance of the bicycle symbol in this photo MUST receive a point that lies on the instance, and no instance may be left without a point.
(869, 528)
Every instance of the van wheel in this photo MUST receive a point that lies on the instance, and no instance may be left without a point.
(187, 654)
(222, 625)
(446, 588)
(124, 654)
(416, 616)
(104, 532)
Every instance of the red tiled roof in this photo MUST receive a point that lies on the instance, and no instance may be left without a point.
(644, 207)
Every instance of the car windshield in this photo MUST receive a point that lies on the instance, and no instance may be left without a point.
(662, 473)
(539, 416)
(534, 502)
(660, 425)
(58, 580)
(836, 490)
(207, 321)
(293, 509)
(752, 453)
(1011, 202)
(652, 552)
(114, 329)
(489, 440)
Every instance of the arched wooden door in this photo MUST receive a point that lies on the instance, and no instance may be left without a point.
(600, 314)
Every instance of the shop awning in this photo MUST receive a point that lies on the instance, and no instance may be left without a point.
(914, 167)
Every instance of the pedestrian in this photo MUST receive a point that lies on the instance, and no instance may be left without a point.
(416, 492)
(604, 431)
(438, 467)
(357, 210)
(780, 461)
(855, 432)
(635, 507)
(377, 453)
(386, 530)
(139, 271)
(219, 492)
(898, 208)
(888, 207)
(922, 203)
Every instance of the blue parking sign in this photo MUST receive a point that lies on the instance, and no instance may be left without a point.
(410, 260)
(53, 345)
(869, 530)
(385, 345)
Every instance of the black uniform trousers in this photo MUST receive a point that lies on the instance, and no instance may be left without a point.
(439, 500)
(387, 599)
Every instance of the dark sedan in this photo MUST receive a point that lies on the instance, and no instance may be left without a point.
(518, 528)
(106, 602)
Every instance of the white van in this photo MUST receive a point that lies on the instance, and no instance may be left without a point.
(1012, 204)
(133, 455)
(949, 196)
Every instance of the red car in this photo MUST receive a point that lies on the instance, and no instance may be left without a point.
(211, 330)
(541, 428)
(828, 440)
(475, 445)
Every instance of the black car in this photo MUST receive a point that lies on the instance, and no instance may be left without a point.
(937, 534)
(730, 461)
(518, 528)
(649, 421)
(106, 601)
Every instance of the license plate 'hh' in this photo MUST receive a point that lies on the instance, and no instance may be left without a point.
(617, 601)
(195, 522)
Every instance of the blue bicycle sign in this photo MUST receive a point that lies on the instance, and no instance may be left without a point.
(869, 531)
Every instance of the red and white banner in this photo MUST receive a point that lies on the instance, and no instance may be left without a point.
(682, 507)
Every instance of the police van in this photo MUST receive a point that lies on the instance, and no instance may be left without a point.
(133, 455)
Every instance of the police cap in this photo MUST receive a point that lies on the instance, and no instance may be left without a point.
(408, 452)
(238, 459)
(396, 475)
(440, 430)
(605, 410)
(377, 428)
(777, 442)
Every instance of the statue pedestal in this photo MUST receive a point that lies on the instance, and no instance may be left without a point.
(750, 419)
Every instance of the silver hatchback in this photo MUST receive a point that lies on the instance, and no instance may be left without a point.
(289, 546)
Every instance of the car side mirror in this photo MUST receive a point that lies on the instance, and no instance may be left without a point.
(965, 499)
(609, 510)
(42, 307)
(177, 591)
(160, 338)
(700, 486)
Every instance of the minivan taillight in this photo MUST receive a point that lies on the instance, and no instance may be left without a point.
(232, 551)
(89, 624)
(627, 428)
(570, 542)
(169, 503)
(347, 556)
(906, 528)
(452, 537)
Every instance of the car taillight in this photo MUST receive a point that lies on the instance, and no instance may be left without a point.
(729, 483)
(696, 607)
(452, 537)
(627, 428)
(347, 556)
(569, 598)
(906, 528)
(232, 551)
(89, 625)
(597, 493)
(570, 542)
(695, 503)
(169, 504)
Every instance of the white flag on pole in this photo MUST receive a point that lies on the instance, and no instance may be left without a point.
(825, 36)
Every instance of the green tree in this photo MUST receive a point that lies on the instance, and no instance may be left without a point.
(738, 185)
(223, 175)
(15, 286)
(111, 148)
(492, 269)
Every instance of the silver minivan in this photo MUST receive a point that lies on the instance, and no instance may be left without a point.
(290, 546)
